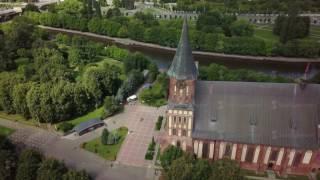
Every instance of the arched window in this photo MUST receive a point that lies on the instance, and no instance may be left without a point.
(174, 132)
(274, 155)
(205, 150)
(297, 159)
(228, 150)
(250, 154)
(184, 132)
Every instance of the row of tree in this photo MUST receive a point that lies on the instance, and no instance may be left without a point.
(245, 6)
(30, 165)
(178, 164)
(145, 28)
(214, 32)
(215, 72)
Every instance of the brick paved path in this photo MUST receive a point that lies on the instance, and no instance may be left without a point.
(140, 121)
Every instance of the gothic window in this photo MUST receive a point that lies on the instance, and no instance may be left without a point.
(184, 120)
(184, 132)
(174, 132)
(178, 144)
(228, 150)
(205, 150)
(174, 119)
(297, 159)
(179, 118)
(250, 154)
(274, 155)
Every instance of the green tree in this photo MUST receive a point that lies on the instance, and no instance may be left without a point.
(20, 33)
(242, 28)
(231, 5)
(226, 169)
(201, 170)
(130, 85)
(8, 80)
(170, 154)
(75, 175)
(101, 81)
(31, 7)
(19, 99)
(71, 7)
(116, 3)
(136, 30)
(123, 32)
(29, 162)
(8, 164)
(182, 168)
(51, 169)
(110, 106)
(74, 56)
(137, 61)
(105, 136)
(113, 12)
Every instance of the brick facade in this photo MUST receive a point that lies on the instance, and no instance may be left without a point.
(181, 92)
(260, 158)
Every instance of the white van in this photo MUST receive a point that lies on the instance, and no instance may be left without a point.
(132, 98)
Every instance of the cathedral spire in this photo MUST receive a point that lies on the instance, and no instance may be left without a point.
(183, 66)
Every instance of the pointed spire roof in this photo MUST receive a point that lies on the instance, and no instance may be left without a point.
(183, 66)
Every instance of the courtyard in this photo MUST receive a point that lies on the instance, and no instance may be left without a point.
(140, 121)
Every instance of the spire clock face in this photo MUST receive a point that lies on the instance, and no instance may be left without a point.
(181, 84)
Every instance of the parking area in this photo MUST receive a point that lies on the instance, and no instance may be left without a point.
(140, 121)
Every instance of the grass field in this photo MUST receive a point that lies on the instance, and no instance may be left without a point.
(91, 115)
(5, 131)
(18, 118)
(108, 152)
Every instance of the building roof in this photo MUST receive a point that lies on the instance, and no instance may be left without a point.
(273, 114)
(87, 124)
(183, 66)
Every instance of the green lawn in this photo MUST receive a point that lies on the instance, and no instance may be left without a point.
(18, 118)
(108, 152)
(91, 115)
(5, 131)
(253, 173)
(315, 32)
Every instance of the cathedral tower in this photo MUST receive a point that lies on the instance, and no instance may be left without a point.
(183, 74)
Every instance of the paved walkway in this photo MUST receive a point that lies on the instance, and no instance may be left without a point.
(140, 121)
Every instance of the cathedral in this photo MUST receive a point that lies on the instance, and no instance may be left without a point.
(262, 126)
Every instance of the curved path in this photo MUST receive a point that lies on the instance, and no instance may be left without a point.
(130, 42)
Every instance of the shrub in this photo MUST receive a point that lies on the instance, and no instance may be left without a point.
(110, 107)
(159, 123)
(65, 127)
(105, 137)
(151, 148)
(149, 155)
